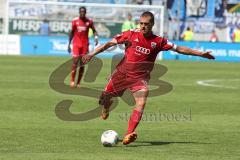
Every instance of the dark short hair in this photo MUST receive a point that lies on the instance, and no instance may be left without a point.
(83, 8)
(147, 13)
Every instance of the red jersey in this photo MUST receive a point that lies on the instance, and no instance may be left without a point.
(80, 28)
(140, 52)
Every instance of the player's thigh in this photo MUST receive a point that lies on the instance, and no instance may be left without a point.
(76, 51)
(111, 90)
(116, 84)
(76, 59)
(114, 89)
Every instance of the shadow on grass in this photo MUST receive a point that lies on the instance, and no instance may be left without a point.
(158, 143)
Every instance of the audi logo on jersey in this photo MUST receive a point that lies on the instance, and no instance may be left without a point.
(81, 28)
(142, 50)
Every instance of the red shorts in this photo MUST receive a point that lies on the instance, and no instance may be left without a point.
(79, 50)
(119, 82)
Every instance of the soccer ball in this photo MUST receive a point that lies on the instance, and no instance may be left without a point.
(109, 138)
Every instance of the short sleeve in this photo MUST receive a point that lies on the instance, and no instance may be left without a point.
(123, 37)
(167, 45)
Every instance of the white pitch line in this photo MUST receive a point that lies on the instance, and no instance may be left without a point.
(210, 81)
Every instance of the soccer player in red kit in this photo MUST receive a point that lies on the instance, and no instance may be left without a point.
(79, 38)
(142, 47)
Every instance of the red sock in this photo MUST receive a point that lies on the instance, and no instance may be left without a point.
(134, 120)
(73, 73)
(80, 74)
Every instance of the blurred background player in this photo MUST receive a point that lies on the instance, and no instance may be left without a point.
(129, 23)
(188, 35)
(79, 38)
(213, 37)
(133, 72)
(236, 35)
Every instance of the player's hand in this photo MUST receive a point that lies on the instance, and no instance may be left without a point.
(96, 40)
(86, 58)
(69, 49)
(207, 55)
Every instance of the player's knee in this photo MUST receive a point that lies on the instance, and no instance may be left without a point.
(75, 61)
(140, 105)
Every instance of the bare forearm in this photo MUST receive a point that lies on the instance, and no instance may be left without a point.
(86, 58)
(70, 37)
(102, 48)
(188, 51)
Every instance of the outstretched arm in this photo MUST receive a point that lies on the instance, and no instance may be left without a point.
(88, 57)
(189, 51)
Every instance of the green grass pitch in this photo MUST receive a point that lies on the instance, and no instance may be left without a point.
(209, 128)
